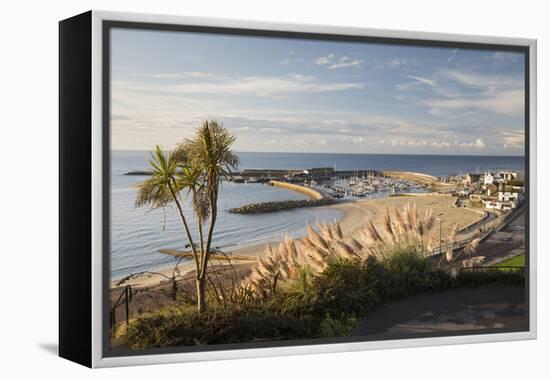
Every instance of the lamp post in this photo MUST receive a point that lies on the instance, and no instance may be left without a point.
(440, 240)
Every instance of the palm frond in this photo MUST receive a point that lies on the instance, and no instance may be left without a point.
(156, 191)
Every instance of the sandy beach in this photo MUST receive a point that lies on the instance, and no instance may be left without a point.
(355, 215)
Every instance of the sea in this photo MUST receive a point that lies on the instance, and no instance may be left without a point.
(137, 234)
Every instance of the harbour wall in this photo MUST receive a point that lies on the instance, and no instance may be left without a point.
(311, 193)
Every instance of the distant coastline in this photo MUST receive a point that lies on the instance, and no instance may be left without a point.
(124, 161)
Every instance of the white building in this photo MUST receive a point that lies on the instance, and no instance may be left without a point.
(498, 205)
(508, 175)
(508, 197)
(492, 178)
(505, 201)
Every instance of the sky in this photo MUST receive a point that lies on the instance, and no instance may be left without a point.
(292, 95)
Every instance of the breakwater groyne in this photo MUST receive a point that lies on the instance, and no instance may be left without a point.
(269, 207)
(317, 198)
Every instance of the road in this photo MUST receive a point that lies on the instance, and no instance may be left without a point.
(485, 308)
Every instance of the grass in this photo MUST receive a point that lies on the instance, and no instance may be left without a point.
(516, 261)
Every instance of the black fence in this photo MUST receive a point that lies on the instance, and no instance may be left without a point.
(123, 300)
(493, 268)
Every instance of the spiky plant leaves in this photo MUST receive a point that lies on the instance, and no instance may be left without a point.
(428, 219)
(389, 228)
(315, 238)
(400, 219)
(373, 233)
(345, 251)
(358, 247)
(471, 247)
(452, 234)
(473, 262)
(449, 254)
(414, 218)
(158, 190)
(325, 230)
(291, 248)
(337, 231)
(419, 230)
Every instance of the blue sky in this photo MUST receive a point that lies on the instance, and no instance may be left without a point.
(315, 96)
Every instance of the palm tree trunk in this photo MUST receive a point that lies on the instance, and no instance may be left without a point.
(185, 226)
(201, 294)
(201, 236)
(213, 217)
(201, 279)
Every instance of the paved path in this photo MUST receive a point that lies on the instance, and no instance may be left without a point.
(488, 308)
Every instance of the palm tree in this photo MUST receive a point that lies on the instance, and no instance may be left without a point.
(164, 186)
(210, 160)
(199, 165)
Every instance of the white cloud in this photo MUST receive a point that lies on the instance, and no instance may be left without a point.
(503, 103)
(479, 143)
(400, 62)
(180, 75)
(147, 112)
(422, 80)
(291, 60)
(502, 58)
(417, 82)
(487, 83)
(344, 62)
(513, 138)
(321, 61)
(333, 62)
(458, 94)
(272, 130)
(268, 86)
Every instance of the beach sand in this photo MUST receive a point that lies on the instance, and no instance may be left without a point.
(355, 215)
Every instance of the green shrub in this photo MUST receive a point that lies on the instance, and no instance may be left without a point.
(407, 261)
(331, 327)
(344, 287)
(298, 295)
(310, 306)
(182, 325)
(479, 277)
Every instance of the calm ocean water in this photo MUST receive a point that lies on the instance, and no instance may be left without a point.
(437, 165)
(138, 233)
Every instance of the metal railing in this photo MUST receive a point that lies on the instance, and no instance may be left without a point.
(486, 231)
(123, 299)
(509, 268)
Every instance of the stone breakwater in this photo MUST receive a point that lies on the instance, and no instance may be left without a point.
(316, 199)
(268, 207)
